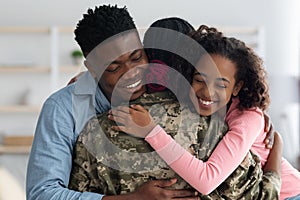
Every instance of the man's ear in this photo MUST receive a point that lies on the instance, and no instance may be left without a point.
(89, 67)
(237, 88)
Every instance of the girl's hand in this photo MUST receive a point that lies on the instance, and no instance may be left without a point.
(269, 140)
(274, 159)
(134, 120)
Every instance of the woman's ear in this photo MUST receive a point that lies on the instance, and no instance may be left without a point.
(237, 88)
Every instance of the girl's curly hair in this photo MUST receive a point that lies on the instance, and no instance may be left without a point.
(250, 70)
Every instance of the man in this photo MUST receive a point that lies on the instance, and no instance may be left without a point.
(65, 112)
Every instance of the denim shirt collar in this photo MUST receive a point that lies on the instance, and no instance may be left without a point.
(86, 85)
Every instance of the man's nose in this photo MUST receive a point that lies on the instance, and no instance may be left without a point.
(129, 65)
(131, 69)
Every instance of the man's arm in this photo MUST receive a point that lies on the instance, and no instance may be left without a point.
(156, 190)
(50, 160)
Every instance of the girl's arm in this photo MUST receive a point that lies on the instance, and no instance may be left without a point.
(203, 176)
(229, 153)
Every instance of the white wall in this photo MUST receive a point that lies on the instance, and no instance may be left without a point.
(278, 17)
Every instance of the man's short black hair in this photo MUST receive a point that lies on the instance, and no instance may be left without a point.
(101, 23)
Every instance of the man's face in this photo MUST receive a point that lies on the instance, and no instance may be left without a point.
(125, 76)
(120, 64)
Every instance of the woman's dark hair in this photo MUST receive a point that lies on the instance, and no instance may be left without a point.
(250, 70)
(155, 38)
(161, 45)
(101, 23)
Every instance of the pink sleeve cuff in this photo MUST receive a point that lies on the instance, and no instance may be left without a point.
(164, 145)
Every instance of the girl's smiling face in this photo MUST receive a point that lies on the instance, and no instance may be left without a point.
(213, 84)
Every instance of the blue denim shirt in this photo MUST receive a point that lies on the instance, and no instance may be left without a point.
(62, 118)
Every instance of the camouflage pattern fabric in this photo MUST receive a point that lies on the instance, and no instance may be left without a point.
(110, 162)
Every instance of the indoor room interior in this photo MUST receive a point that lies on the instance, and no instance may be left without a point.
(38, 56)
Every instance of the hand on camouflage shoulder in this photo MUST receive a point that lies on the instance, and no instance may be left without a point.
(135, 120)
(269, 139)
(274, 159)
(157, 190)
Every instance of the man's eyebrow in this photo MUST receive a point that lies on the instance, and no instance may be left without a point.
(134, 52)
(117, 62)
(112, 62)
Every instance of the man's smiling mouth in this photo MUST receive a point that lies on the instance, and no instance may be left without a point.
(133, 85)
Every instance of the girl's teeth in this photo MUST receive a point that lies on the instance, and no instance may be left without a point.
(206, 102)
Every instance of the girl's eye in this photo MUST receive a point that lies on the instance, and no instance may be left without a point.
(199, 80)
(221, 86)
(112, 68)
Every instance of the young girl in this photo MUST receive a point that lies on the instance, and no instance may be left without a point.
(229, 75)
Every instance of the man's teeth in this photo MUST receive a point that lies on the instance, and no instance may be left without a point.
(134, 84)
(206, 102)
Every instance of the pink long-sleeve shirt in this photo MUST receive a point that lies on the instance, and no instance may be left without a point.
(246, 131)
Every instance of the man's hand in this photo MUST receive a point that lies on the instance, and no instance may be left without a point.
(156, 190)
(135, 120)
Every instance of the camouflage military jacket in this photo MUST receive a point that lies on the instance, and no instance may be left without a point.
(110, 162)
